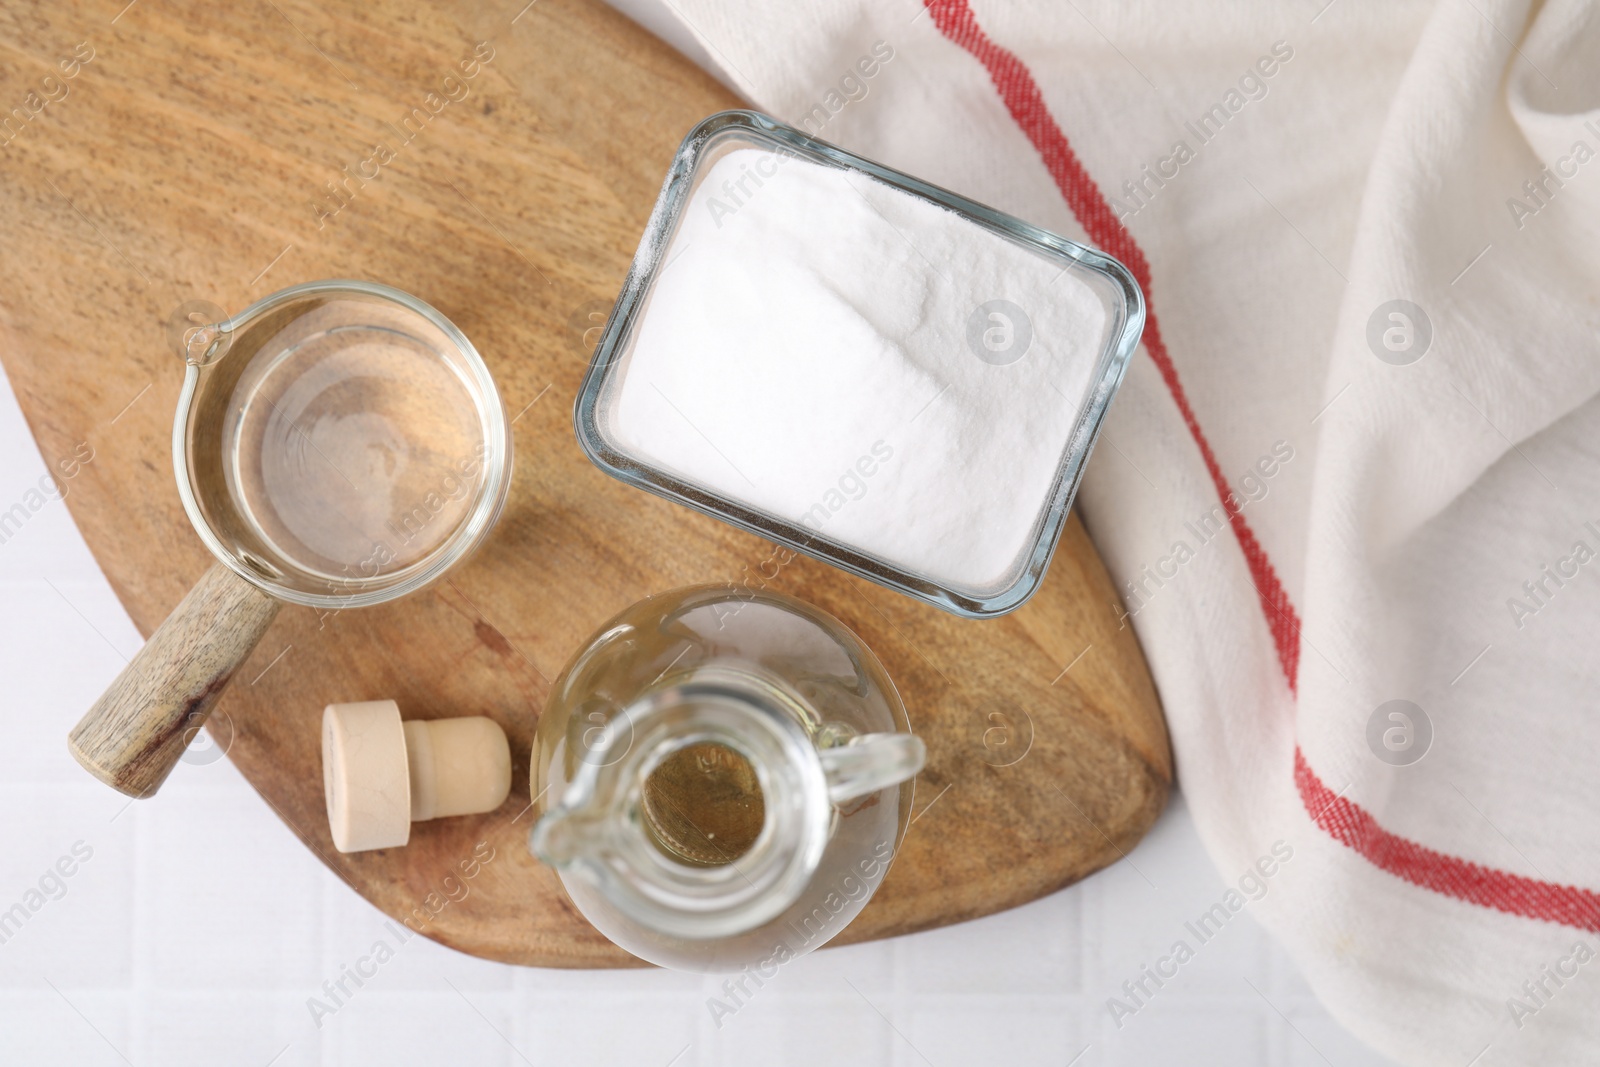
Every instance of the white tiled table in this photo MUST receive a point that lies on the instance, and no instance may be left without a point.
(199, 928)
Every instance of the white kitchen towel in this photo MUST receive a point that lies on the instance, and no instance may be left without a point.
(1350, 489)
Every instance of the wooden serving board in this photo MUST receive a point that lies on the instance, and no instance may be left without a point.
(190, 158)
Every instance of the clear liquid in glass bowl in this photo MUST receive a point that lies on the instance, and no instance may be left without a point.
(345, 445)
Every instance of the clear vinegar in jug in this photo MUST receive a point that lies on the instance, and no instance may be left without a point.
(723, 779)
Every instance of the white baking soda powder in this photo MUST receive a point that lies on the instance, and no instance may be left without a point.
(851, 358)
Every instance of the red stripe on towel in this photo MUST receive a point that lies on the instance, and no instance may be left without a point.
(1351, 825)
(1026, 104)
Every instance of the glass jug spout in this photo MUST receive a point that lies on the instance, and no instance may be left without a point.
(570, 835)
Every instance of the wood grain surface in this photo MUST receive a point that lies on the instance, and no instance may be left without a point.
(193, 152)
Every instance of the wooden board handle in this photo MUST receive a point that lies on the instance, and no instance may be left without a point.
(137, 731)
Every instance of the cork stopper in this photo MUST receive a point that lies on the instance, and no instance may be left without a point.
(380, 774)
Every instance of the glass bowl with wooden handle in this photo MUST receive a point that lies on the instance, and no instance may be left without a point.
(337, 445)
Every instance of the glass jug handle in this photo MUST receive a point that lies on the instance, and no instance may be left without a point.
(870, 762)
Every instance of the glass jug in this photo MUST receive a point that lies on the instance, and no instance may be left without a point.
(723, 778)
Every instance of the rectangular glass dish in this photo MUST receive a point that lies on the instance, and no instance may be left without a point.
(866, 368)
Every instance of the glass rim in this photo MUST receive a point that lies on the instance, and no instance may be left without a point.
(1111, 366)
(468, 534)
(636, 875)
